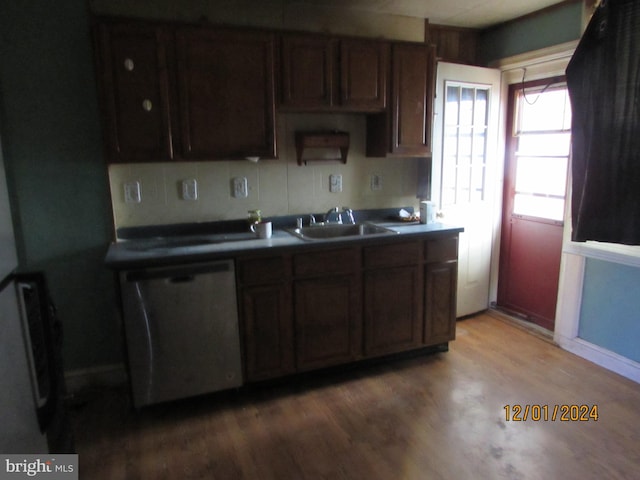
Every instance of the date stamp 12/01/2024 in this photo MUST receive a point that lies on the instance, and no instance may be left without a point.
(551, 413)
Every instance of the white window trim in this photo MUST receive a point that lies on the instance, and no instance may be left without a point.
(609, 252)
(539, 64)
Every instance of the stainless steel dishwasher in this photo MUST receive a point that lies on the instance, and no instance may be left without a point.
(181, 328)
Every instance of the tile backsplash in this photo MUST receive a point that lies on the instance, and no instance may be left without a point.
(277, 187)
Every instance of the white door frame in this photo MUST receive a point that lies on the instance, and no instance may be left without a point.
(545, 63)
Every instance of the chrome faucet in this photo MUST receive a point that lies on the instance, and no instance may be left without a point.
(299, 222)
(333, 216)
(349, 214)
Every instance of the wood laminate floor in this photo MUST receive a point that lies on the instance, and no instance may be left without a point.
(440, 416)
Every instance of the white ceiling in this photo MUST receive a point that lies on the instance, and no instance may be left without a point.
(460, 13)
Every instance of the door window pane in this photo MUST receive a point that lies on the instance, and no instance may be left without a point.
(541, 110)
(544, 144)
(480, 109)
(543, 207)
(542, 175)
(466, 106)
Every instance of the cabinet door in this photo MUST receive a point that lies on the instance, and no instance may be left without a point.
(308, 70)
(268, 331)
(363, 75)
(413, 69)
(440, 302)
(132, 73)
(226, 94)
(327, 321)
(392, 310)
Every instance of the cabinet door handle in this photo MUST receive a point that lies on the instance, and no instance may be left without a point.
(128, 64)
(147, 105)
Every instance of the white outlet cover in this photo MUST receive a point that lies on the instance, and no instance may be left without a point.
(132, 193)
(376, 182)
(190, 189)
(239, 187)
(335, 183)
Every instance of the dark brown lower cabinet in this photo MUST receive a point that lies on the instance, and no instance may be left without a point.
(392, 298)
(327, 321)
(268, 331)
(308, 309)
(392, 313)
(266, 316)
(440, 302)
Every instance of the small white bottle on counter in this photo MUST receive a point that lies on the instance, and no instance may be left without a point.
(427, 212)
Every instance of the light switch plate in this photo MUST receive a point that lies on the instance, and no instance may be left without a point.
(132, 192)
(190, 189)
(239, 187)
(376, 182)
(335, 183)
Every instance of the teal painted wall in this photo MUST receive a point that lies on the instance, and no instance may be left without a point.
(58, 182)
(552, 27)
(610, 313)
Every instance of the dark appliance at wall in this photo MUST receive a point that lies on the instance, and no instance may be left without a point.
(44, 332)
(33, 418)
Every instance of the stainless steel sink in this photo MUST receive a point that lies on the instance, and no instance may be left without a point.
(337, 231)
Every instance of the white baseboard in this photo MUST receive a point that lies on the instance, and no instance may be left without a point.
(600, 356)
(103, 376)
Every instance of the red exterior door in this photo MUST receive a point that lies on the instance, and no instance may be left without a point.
(537, 157)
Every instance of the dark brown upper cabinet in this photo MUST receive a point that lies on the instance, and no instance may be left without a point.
(364, 68)
(405, 129)
(226, 95)
(308, 69)
(132, 74)
(186, 93)
(323, 73)
(172, 92)
(453, 44)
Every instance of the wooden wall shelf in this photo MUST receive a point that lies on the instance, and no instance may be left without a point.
(322, 139)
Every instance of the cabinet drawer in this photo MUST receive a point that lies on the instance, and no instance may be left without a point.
(344, 260)
(256, 271)
(380, 256)
(441, 249)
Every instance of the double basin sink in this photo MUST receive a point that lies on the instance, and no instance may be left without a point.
(331, 231)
